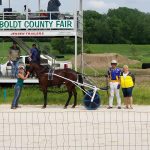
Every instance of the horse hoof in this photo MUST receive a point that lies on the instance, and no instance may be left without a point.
(65, 107)
(43, 107)
(73, 106)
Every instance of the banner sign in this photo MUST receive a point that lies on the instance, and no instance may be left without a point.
(36, 24)
(38, 33)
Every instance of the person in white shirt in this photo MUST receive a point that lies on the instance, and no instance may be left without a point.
(114, 81)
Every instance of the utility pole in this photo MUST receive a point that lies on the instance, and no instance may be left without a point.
(39, 5)
(9, 4)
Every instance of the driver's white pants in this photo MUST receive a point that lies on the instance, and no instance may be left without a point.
(114, 91)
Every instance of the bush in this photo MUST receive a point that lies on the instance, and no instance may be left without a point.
(65, 45)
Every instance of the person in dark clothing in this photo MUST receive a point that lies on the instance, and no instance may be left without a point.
(53, 5)
(14, 54)
(35, 54)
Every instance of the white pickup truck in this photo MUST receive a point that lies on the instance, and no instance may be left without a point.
(5, 69)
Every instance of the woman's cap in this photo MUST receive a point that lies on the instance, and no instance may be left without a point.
(21, 67)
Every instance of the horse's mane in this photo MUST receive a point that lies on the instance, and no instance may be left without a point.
(45, 69)
(39, 68)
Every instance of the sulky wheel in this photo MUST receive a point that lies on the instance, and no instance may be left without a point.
(88, 103)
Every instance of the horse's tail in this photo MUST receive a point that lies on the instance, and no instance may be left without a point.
(80, 80)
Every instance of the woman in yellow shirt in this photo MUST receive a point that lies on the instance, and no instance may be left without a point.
(127, 81)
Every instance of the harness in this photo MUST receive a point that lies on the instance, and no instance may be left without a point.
(50, 74)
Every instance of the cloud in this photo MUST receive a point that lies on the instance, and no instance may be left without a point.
(100, 5)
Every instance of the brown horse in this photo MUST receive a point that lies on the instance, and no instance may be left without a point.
(44, 82)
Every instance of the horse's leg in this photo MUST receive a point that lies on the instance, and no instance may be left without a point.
(45, 99)
(70, 95)
(75, 98)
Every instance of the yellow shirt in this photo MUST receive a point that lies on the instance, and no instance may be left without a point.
(127, 80)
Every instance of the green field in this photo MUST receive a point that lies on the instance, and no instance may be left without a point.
(4, 47)
(141, 95)
(137, 52)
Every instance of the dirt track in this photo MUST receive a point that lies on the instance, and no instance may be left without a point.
(103, 60)
(59, 108)
(32, 128)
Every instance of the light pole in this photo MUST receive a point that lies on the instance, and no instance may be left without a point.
(39, 4)
(81, 5)
(80, 9)
(9, 4)
(82, 61)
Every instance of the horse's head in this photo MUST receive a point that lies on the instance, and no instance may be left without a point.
(33, 68)
(37, 69)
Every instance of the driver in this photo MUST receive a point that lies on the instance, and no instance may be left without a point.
(114, 78)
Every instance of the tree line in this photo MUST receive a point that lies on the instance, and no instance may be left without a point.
(122, 25)
(118, 26)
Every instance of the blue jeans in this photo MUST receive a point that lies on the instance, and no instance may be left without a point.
(18, 90)
(15, 69)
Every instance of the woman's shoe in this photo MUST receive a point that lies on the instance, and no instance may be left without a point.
(126, 107)
(13, 107)
(18, 106)
(109, 107)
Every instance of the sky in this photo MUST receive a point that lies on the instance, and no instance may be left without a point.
(101, 6)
